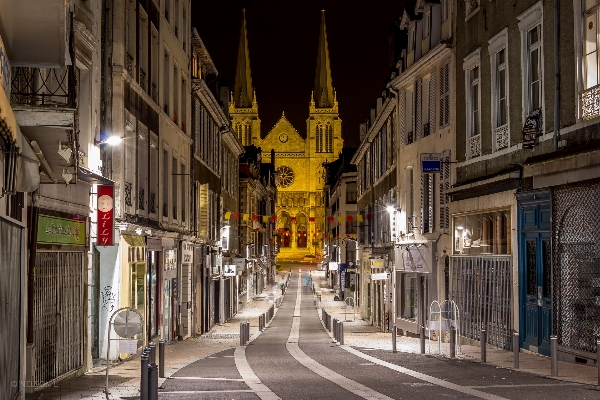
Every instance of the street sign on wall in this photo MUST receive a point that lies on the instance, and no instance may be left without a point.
(431, 163)
(53, 230)
(380, 276)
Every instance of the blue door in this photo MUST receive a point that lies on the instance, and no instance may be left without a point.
(535, 276)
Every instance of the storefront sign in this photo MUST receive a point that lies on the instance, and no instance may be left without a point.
(342, 277)
(218, 264)
(418, 259)
(187, 252)
(333, 265)
(380, 276)
(154, 244)
(53, 230)
(170, 260)
(377, 263)
(105, 215)
(431, 163)
(532, 128)
(229, 270)
(240, 263)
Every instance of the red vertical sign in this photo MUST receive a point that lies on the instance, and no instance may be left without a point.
(106, 197)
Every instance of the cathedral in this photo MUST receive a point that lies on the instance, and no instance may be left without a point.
(298, 161)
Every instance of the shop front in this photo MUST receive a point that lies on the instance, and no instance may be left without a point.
(169, 290)
(154, 258)
(58, 295)
(134, 278)
(185, 291)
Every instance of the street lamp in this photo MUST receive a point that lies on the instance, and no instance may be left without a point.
(112, 140)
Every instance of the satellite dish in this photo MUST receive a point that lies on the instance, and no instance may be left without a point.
(128, 323)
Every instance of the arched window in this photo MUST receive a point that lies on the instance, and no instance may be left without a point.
(237, 127)
(319, 137)
(248, 134)
(329, 137)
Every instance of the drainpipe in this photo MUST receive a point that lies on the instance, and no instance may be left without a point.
(33, 227)
(556, 74)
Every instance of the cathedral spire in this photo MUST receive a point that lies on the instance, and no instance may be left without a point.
(243, 94)
(323, 92)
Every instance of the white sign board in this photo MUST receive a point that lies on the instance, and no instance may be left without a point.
(240, 263)
(229, 270)
(128, 346)
(380, 276)
(418, 259)
(333, 266)
(187, 252)
(377, 263)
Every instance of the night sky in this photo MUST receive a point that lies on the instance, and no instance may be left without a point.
(283, 39)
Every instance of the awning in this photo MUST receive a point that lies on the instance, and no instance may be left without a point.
(135, 241)
(89, 176)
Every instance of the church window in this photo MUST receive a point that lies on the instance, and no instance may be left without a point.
(329, 138)
(248, 134)
(286, 176)
(237, 127)
(319, 137)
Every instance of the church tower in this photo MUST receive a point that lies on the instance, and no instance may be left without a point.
(324, 126)
(243, 109)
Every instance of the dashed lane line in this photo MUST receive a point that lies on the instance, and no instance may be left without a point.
(319, 369)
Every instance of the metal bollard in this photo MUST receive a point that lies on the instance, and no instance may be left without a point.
(554, 355)
(422, 337)
(242, 333)
(152, 347)
(598, 359)
(144, 375)
(482, 341)
(335, 329)
(516, 349)
(452, 342)
(394, 339)
(152, 382)
(341, 333)
(161, 358)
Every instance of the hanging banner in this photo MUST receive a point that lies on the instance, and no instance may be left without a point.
(105, 215)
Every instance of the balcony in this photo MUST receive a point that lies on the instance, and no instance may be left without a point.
(129, 64)
(501, 136)
(474, 146)
(35, 32)
(43, 87)
(590, 102)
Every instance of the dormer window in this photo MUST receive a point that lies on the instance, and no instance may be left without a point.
(411, 37)
(426, 23)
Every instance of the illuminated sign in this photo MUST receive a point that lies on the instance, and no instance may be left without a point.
(105, 215)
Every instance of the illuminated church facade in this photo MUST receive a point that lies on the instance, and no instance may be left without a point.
(298, 161)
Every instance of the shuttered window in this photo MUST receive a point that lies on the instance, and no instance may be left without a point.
(203, 210)
(444, 94)
(444, 185)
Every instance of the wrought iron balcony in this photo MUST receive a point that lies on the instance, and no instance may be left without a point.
(154, 92)
(474, 149)
(501, 135)
(129, 64)
(128, 187)
(141, 199)
(409, 137)
(143, 81)
(590, 102)
(152, 203)
(43, 87)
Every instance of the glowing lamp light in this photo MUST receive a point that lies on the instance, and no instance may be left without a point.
(113, 140)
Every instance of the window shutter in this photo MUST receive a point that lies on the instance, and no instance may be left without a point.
(417, 132)
(203, 210)
(430, 226)
(445, 94)
(432, 104)
(444, 185)
(423, 211)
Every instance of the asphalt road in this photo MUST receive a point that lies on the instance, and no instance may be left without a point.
(294, 358)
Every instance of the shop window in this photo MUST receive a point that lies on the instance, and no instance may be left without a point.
(483, 233)
(410, 301)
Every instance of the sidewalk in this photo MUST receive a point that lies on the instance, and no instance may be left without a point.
(124, 379)
(360, 334)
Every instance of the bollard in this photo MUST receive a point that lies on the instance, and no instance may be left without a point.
(335, 329)
(246, 332)
(161, 358)
(152, 347)
(422, 337)
(452, 342)
(242, 334)
(598, 359)
(341, 333)
(554, 354)
(516, 349)
(482, 340)
(261, 322)
(152, 382)
(144, 376)
(394, 338)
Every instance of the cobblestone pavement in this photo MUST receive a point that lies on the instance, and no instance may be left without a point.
(124, 379)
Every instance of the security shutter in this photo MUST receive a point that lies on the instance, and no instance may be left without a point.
(203, 210)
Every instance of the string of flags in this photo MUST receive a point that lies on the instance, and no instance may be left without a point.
(246, 217)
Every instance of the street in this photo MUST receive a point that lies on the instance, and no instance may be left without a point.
(295, 358)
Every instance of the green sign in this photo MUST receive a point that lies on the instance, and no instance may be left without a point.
(52, 230)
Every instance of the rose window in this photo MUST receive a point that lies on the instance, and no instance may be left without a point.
(286, 176)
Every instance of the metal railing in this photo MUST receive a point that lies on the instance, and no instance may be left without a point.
(474, 146)
(590, 102)
(43, 87)
(481, 287)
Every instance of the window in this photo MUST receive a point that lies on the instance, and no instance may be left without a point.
(473, 99)
(590, 102)
(444, 185)
(167, 9)
(329, 137)
(176, 13)
(175, 95)
(445, 94)
(445, 10)
(473, 104)
(410, 299)
(184, 36)
(237, 127)
(483, 233)
(319, 137)
(409, 200)
(248, 133)
(426, 23)
(175, 186)
(411, 37)
(183, 105)
(183, 179)
(166, 182)
(534, 66)
(166, 83)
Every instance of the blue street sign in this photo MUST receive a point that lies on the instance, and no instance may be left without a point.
(431, 163)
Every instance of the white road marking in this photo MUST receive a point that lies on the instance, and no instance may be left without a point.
(250, 377)
(424, 377)
(340, 380)
(197, 378)
(207, 391)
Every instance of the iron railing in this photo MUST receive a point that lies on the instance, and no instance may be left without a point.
(590, 102)
(43, 87)
(141, 198)
(481, 287)
(128, 199)
(474, 146)
(152, 202)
